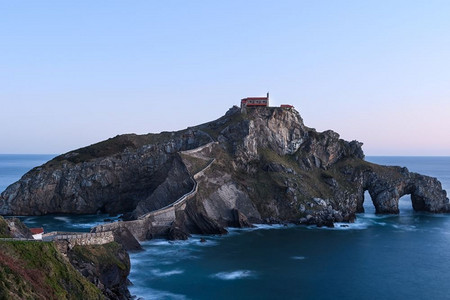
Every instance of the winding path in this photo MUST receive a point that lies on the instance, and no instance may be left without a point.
(180, 201)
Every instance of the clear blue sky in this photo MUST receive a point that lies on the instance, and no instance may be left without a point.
(73, 73)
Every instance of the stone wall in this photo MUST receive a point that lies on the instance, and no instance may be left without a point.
(78, 238)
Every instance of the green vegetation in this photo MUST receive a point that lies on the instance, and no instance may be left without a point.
(278, 183)
(4, 232)
(36, 270)
(194, 164)
(99, 255)
(215, 127)
(114, 146)
(110, 147)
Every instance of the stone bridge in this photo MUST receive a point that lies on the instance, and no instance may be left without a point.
(80, 238)
(74, 238)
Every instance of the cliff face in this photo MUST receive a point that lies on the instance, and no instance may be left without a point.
(272, 168)
(113, 176)
(106, 266)
(265, 165)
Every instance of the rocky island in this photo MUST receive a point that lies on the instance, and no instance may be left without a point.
(253, 165)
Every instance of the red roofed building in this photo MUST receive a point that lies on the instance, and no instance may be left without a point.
(286, 106)
(37, 233)
(255, 101)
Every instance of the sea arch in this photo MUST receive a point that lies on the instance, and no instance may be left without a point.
(386, 187)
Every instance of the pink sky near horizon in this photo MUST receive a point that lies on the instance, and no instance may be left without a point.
(74, 73)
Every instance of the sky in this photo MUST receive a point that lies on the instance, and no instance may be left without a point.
(73, 73)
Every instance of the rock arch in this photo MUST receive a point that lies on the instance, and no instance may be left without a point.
(388, 184)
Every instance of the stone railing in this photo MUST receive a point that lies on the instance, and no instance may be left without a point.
(198, 149)
(81, 238)
(180, 201)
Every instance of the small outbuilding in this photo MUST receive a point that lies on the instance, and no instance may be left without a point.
(37, 233)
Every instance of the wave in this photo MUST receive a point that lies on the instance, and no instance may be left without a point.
(152, 294)
(239, 274)
(405, 227)
(163, 252)
(298, 257)
(234, 231)
(159, 273)
(29, 221)
(359, 225)
(63, 219)
(271, 226)
(85, 225)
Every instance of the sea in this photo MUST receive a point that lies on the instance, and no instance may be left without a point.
(405, 256)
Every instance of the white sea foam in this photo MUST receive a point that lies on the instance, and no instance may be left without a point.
(178, 243)
(208, 241)
(359, 225)
(162, 252)
(160, 242)
(239, 274)
(152, 294)
(64, 219)
(159, 273)
(271, 226)
(298, 257)
(404, 227)
(85, 225)
(30, 221)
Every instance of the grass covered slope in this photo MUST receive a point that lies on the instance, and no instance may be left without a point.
(36, 270)
(4, 231)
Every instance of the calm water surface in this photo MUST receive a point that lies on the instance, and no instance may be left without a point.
(378, 257)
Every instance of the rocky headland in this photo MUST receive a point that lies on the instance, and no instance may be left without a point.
(262, 165)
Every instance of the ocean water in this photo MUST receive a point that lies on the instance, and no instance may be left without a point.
(406, 256)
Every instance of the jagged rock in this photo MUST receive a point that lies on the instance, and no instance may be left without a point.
(386, 187)
(239, 219)
(106, 266)
(14, 228)
(124, 237)
(194, 220)
(175, 233)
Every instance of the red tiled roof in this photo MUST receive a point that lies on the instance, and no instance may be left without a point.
(255, 98)
(37, 230)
